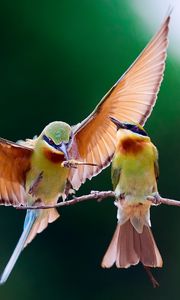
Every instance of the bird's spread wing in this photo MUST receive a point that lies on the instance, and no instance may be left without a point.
(131, 99)
(14, 163)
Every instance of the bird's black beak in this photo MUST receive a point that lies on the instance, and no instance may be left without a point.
(63, 149)
(117, 123)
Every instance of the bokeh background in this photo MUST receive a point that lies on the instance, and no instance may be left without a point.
(57, 59)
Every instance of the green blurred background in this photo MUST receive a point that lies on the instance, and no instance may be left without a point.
(57, 59)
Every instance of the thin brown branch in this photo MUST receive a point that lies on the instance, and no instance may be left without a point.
(92, 196)
(161, 200)
(96, 195)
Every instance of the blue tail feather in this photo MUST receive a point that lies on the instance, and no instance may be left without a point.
(30, 218)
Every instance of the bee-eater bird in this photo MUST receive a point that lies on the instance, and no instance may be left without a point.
(33, 170)
(134, 178)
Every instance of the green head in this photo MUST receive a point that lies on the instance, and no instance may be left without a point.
(58, 135)
(135, 128)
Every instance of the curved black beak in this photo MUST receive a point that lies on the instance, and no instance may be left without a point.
(117, 123)
(63, 149)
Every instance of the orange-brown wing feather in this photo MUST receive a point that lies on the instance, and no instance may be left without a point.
(14, 163)
(131, 99)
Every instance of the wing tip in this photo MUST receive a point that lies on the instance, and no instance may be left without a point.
(165, 24)
(169, 11)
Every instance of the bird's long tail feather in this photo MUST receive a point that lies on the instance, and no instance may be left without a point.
(35, 222)
(30, 219)
(45, 217)
(129, 247)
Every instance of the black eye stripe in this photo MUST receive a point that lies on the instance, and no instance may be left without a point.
(136, 129)
(49, 141)
(45, 138)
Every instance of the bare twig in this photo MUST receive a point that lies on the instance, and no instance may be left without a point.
(161, 200)
(96, 195)
(92, 196)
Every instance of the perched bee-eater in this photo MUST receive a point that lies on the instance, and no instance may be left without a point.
(134, 178)
(33, 170)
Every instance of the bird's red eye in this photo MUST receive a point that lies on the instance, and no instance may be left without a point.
(48, 140)
(51, 142)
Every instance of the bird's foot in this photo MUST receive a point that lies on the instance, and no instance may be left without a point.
(120, 199)
(69, 164)
(96, 195)
(156, 199)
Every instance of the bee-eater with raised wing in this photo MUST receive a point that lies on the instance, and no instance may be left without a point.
(33, 170)
(134, 178)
